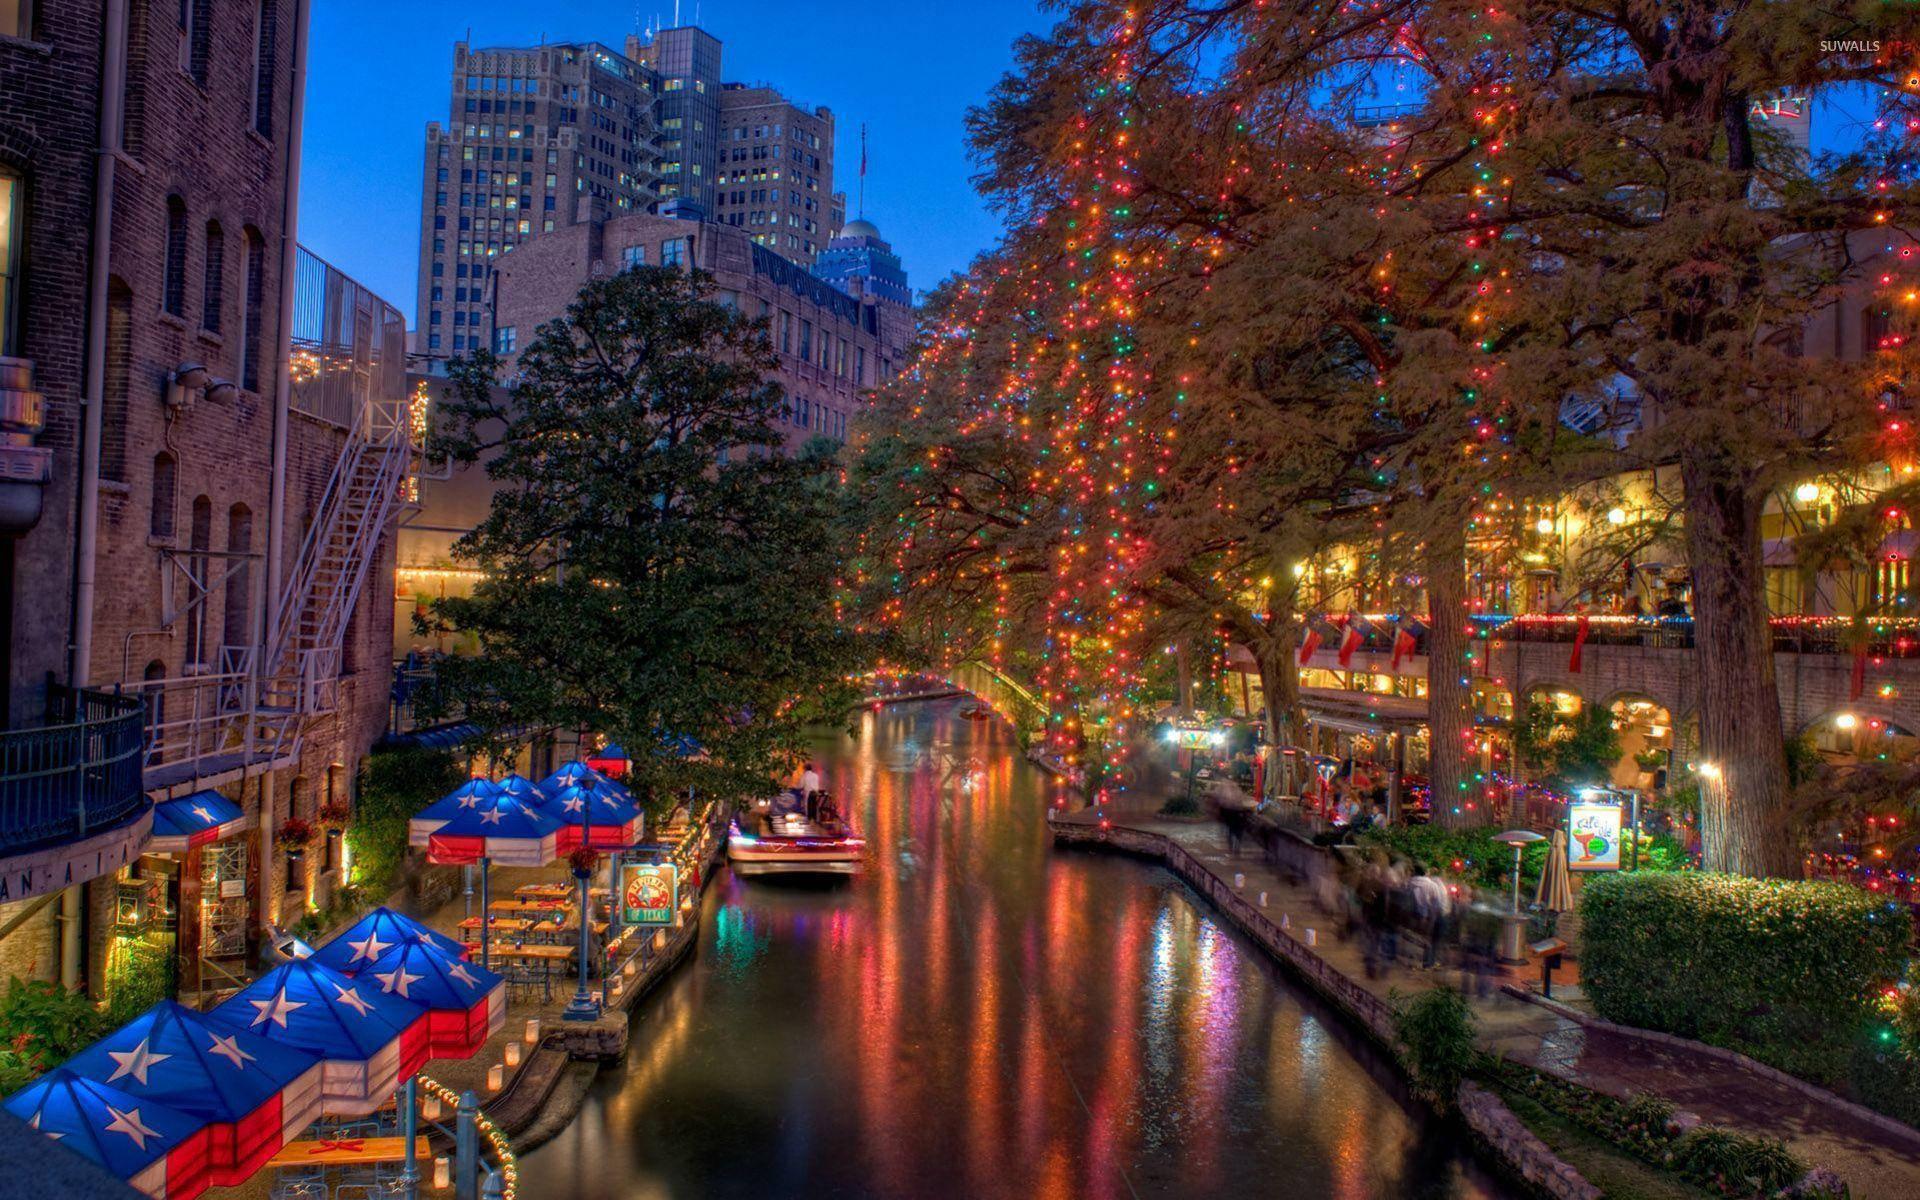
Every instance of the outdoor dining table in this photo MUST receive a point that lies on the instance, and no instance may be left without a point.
(543, 953)
(341, 1151)
(554, 891)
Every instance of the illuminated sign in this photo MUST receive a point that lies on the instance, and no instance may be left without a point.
(649, 893)
(1593, 842)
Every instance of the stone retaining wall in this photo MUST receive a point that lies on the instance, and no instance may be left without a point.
(1523, 1153)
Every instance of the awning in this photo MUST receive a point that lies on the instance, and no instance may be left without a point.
(443, 737)
(206, 816)
(1362, 712)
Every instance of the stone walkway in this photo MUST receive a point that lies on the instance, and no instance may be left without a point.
(1878, 1163)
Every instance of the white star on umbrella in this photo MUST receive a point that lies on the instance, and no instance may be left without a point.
(459, 971)
(229, 1048)
(135, 1062)
(574, 805)
(490, 817)
(370, 948)
(470, 800)
(352, 999)
(396, 980)
(129, 1123)
(34, 1122)
(200, 810)
(276, 1009)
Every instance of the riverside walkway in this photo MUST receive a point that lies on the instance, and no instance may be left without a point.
(1879, 1159)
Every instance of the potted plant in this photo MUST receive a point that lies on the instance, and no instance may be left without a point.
(583, 860)
(335, 814)
(293, 835)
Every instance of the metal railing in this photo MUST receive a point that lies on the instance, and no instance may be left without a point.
(348, 346)
(76, 776)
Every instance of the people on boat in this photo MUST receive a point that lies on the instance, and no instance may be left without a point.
(827, 812)
(810, 790)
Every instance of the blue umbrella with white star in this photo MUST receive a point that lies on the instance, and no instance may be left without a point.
(362, 943)
(468, 797)
(466, 1003)
(157, 1149)
(255, 1093)
(595, 815)
(367, 1040)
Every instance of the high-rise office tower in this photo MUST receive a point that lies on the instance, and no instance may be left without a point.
(538, 138)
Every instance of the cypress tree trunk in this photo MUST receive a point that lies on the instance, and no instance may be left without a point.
(1743, 792)
(1448, 688)
(1280, 688)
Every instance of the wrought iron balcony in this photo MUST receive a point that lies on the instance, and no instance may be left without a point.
(76, 776)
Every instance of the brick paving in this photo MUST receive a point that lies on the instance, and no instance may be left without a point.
(1878, 1163)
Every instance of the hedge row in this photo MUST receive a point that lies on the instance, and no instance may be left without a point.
(1788, 972)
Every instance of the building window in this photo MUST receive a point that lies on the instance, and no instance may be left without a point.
(200, 535)
(504, 339)
(265, 27)
(433, 341)
(634, 256)
(173, 281)
(12, 233)
(673, 252)
(237, 625)
(806, 342)
(196, 38)
(210, 291)
(165, 480)
(250, 318)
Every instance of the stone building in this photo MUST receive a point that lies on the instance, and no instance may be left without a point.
(194, 603)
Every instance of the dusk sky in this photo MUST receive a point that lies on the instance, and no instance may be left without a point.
(379, 72)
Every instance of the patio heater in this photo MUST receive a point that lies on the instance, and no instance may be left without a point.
(1513, 925)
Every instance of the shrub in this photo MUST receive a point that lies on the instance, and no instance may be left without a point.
(1435, 1030)
(1469, 855)
(1787, 971)
(1180, 805)
(43, 1024)
(1737, 1165)
(394, 784)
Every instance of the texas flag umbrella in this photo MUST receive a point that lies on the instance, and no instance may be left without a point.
(465, 1003)
(367, 1040)
(610, 760)
(468, 797)
(157, 1149)
(596, 815)
(179, 825)
(364, 942)
(505, 830)
(255, 1094)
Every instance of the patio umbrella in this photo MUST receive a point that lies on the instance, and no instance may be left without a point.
(465, 798)
(179, 825)
(610, 760)
(466, 1004)
(254, 1093)
(520, 788)
(156, 1149)
(1555, 893)
(503, 829)
(565, 776)
(364, 942)
(595, 816)
(367, 1040)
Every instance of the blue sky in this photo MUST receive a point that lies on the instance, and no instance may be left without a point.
(908, 68)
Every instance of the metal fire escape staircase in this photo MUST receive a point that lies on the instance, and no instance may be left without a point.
(208, 727)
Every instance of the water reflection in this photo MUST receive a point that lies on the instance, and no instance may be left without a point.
(981, 1016)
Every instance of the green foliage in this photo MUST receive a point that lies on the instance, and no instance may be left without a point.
(394, 784)
(1788, 972)
(42, 1025)
(650, 566)
(1180, 804)
(1567, 752)
(139, 976)
(1435, 1031)
(1739, 1166)
(1469, 855)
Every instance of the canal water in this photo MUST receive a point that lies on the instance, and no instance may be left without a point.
(982, 1016)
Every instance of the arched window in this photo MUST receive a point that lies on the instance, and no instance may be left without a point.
(173, 280)
(165, 480)
(200, 538)
(266, 28)
(12, 229)
(119, 381)
(212, 293)
(196, 46)
(250, 316)
(237, 627)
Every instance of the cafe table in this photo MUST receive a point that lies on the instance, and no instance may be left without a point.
(333, 1152)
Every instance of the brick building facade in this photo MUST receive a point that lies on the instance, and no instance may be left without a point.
(213, 460)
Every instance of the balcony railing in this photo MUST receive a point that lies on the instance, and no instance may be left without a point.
(1881, 637)
(77, 776)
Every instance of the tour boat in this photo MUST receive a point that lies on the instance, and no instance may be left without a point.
(776, 838)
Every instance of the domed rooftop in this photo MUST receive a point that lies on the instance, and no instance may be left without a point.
(860, 227)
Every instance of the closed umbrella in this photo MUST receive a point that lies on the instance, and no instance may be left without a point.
(1555, 893)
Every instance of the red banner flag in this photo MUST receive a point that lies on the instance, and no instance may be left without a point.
(1349, 642)
(1309, 646)
(1579, 642)
(1403, 648)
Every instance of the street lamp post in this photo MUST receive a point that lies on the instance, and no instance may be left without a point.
(583, 1006)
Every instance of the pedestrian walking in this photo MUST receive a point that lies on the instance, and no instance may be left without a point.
(1431, 908)
(1235, 820)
